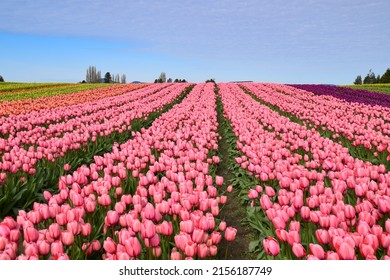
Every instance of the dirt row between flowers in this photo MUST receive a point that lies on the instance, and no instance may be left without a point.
(234, 211)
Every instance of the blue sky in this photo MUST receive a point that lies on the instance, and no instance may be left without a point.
(292, 41)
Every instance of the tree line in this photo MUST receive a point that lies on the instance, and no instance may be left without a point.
(371, 78)
(95, 76)
(163, 79)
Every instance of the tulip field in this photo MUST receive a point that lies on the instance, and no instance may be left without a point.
(177, 170)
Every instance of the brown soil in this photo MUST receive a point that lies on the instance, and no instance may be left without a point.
(232, 212)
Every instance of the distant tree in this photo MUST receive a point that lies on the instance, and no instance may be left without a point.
(169, 80)
(156, 81)
(107, 78)
(163, 77)
(385, 79)
(366, 79)
(176, 81)
(358, 80)
(117, 79)
(83, 81)
(93, 76)
(183, 81)
(370, 78)
(123, 79)
(213, 81)
(1, 79)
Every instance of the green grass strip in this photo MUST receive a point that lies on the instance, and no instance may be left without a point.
(47, 92)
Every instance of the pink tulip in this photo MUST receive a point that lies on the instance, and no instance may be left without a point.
(265, 202)
(252, 194)
(387, 225)
(332, 256)
(317, 251)
(295, 225)
(346, 251)
(187, 226)
(56, 248)
(223, 199)
(197, 235)
(30, 234)
(385, 240)
(219, 180)
(43, 247)
(269, 191)
(213, 250)
(112, 218)
(298, 250)
(271, 246)
(149, 211)
(148, 229)
(67, 237)
(165, 228)
(175, 255)
(14, 236)
(349, 211)
(279, 223)
(133, 247)
(109, 245)
(222, 226)
(216, 237)
(104, 200)
(190, 249)
(86, 229)
(230, 233)
(322, 236)
(54, 230)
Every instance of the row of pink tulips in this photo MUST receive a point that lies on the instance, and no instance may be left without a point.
(22, 106)
(98, 118)
(15, 123)
(362, 124)
(321, 205)
(98, 212)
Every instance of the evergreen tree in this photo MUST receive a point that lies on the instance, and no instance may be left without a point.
(1, 79)
(385, 79)
(370, 78)
(107, 78)
(358, 80)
